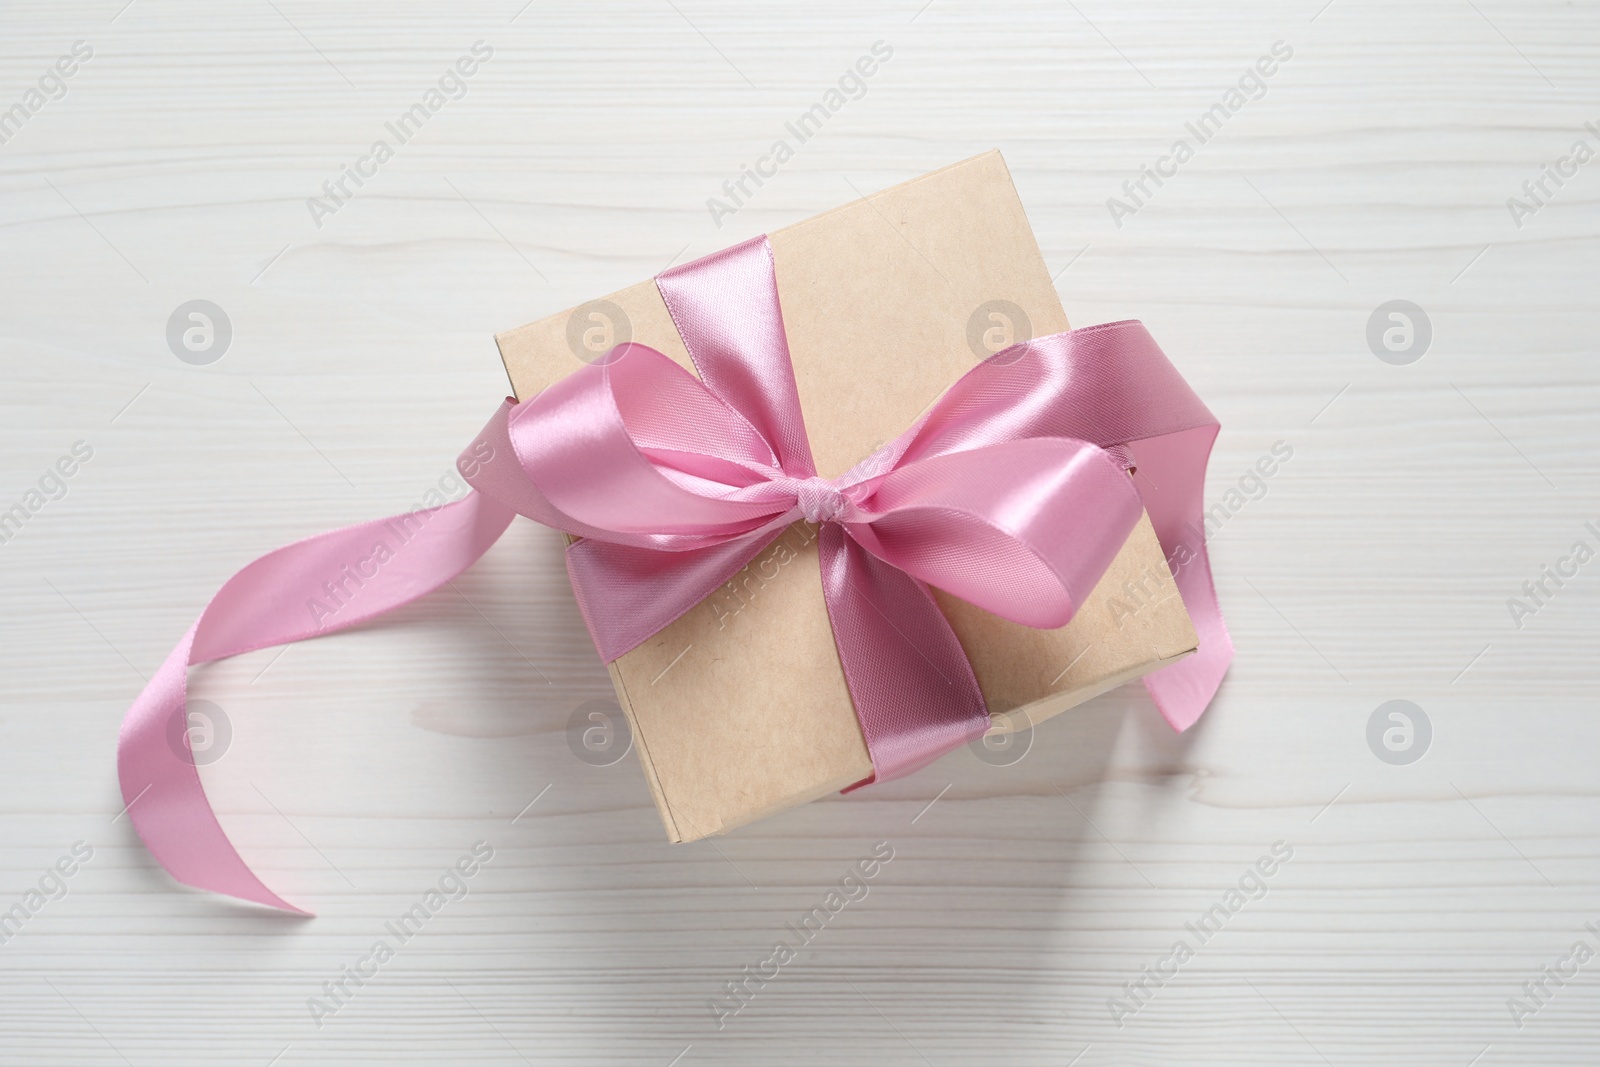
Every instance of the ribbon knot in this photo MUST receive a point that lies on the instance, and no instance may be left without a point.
(820, 500)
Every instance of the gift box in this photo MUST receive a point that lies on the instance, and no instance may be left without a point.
(838, 500)
(740, 708)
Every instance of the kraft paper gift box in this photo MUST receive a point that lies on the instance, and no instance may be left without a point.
(739, 709)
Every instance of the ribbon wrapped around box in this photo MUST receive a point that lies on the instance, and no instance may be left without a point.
(826, 521)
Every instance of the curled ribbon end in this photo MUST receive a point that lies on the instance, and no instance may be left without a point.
(265, 897)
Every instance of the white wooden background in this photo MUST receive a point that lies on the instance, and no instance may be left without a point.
(1419, 498)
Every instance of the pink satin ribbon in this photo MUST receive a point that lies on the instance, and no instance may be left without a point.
(1011, 492)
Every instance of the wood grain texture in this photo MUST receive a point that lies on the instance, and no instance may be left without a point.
(1377, 565)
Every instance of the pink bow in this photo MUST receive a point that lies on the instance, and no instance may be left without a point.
(1011, 492)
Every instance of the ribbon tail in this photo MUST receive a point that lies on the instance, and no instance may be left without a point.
(1171, 478)
(162, 794)
(279, 598)
(913, 688)
(628, 594)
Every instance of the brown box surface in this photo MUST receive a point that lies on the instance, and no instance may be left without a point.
(739, 709)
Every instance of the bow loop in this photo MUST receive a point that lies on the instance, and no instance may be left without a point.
(634, 449)
(1022, 529)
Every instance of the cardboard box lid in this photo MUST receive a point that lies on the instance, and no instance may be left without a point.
(739, 709)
